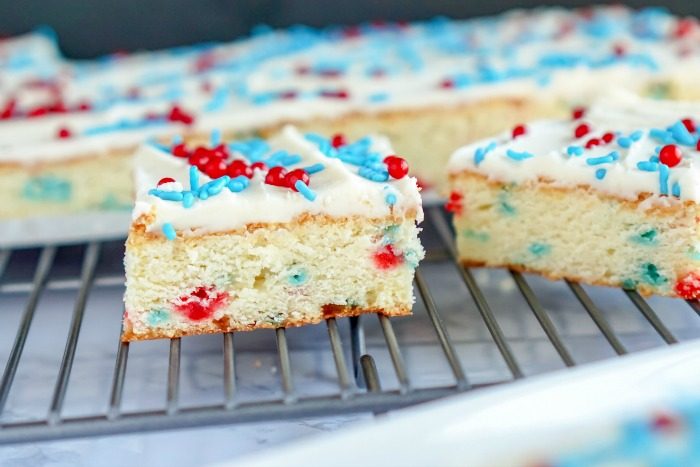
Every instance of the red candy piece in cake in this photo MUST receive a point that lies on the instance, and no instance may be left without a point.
(275, 176)
(518, 131)
(295, 175)
(670, 155)
(178, 115)
(386, 258)
(454, 204)
(688, 286)
(201, 303)
(582, 130)
(338, 140)
(64, 133)
(578, 112)
(396, 166)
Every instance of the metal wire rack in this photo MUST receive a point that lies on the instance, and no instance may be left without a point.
(27, 275)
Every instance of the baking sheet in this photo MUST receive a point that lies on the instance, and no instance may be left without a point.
(65, 229)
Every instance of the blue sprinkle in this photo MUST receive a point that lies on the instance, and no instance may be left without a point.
(203, 193)
(298, 277)
(662, 136)
(676, 189)
(238, 184)
(637, 135)
(518, 156)
(574, 150)
(215, 186)
(663, 179)
(176, 139)
(681, 134)
(379, 97)
(312, 169)
(390, 199)
(194, 178)
(481, 152)
(600, 174)
(169, 231)
(215, 138)
(624, 142)
(648, 166)
(187, 199)
(373, 174)
(305, 190)
(612, 157)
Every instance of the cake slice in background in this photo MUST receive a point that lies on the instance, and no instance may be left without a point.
(269, 234)
(608, 198)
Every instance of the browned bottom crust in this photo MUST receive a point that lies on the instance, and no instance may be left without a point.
(641, 288)
(224, 325)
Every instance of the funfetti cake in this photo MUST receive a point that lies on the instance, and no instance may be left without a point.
(607, 198)
(267, 234)
(430, 86)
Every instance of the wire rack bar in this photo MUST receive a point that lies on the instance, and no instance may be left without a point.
(117, 390)
(173, 391)
(482, 305)
(344, 380)
(395, 353)
(40, 275)
(543, 318)
(443, 336)
(92, 254)
(285, 366)
(651, 316)
(229, 371)
(61, 284)
(357, 347)
(597, 317)
(369, 368)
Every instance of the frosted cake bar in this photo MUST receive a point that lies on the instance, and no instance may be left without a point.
(266, 234)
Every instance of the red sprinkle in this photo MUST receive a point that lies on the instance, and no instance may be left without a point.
(518, 131)
(607, 137)
(689, 124)
(670, 155)
(592, 142)
(201, 303)
(396, 166)
(64, 133)
(165, 180)
(275, 176)
(582, 130)
(180, 150)
(447, 84)
(338, 140)
(341, 94)
(292, 177)
(176, 114)
(688, 286)
(619, 50)
(684, 27)
(578, 112)
(200, 157)
(455, 203)
(238, 167)
(9, 109)
(386, 258)
(215, 168)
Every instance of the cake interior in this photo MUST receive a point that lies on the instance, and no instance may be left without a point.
(268, 275)
(577, 233)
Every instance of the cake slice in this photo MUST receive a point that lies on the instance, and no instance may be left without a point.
(268, 234)
(608, 199)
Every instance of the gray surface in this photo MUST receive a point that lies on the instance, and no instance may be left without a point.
(87, 28)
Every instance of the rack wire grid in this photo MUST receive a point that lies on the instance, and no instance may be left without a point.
(470, 329)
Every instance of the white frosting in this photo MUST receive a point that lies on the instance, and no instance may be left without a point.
(340, 191)
(622, 114)
(553, 53)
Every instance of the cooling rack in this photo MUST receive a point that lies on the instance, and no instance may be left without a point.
(471, 329)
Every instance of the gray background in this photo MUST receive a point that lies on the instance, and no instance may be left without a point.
(87, 28)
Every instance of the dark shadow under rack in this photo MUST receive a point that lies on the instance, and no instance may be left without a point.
(359, 383)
